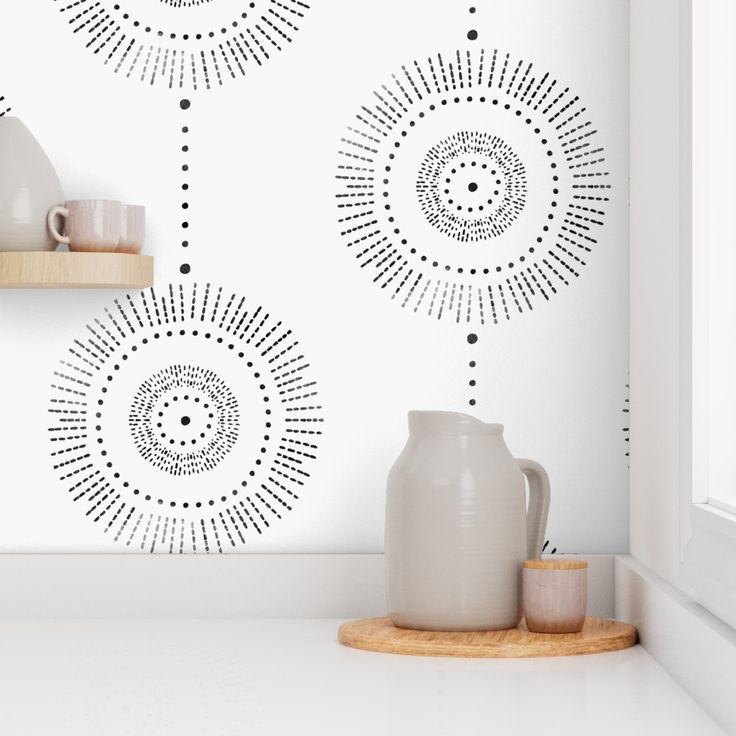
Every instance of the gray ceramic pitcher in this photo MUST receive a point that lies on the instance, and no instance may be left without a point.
(457, 525)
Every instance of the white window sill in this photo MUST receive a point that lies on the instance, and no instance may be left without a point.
(695, 647)
(716, 516)
(705, 568)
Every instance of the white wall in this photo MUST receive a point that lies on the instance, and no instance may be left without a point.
(263, 222)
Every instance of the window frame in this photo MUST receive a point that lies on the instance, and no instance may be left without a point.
(707, 532)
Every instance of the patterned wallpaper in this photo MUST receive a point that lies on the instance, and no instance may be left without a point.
(356, 209)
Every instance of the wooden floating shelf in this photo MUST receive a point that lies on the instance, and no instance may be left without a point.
(52, 270)
(380, 635)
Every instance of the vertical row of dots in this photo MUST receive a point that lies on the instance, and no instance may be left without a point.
(472, 339)
(472, 33)
(185, 104)
(627, 427)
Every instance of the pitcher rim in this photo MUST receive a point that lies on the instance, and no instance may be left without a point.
(450, 422)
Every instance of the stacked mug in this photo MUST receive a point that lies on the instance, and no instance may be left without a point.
(98, 225)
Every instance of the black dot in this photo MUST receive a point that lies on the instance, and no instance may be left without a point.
(471, 10)
(472, 186)
(472, 35)
(185, 420)
(472, 402)
(472, 338)
(184, 104)
(185, 268)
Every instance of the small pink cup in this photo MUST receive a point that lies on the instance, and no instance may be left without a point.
(89, 224)
(555, 594)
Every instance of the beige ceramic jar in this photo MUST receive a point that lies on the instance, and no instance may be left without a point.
(457, 527)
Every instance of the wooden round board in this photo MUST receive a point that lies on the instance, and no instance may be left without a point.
(380, 635)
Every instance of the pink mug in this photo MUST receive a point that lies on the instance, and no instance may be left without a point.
(91, 225)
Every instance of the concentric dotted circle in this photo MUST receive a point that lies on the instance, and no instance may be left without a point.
(442, 262)
(471, 186)
(203, 47)
(184, 419)
(188, 34)
(444, 236)
(166, 454)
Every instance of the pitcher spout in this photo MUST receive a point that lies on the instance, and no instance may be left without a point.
(449, 422)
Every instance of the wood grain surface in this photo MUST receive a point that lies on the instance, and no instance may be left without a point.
(51, 270)
(380, 635)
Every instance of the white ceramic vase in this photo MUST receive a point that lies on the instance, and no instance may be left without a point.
(29, 187)
(457, 525)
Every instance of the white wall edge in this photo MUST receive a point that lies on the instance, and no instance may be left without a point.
(226, 586)
(695, 647)
(655, 295)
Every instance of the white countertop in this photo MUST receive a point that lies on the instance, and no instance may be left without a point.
(216, 677)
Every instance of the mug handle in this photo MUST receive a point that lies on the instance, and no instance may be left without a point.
(536, 516)
(50, 221)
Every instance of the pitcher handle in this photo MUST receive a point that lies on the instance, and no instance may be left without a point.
(536, 515)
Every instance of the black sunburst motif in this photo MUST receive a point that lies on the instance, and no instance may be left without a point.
(184, 419)
(427, 134)
(200, 48)
(167, 455)
(471, 186)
